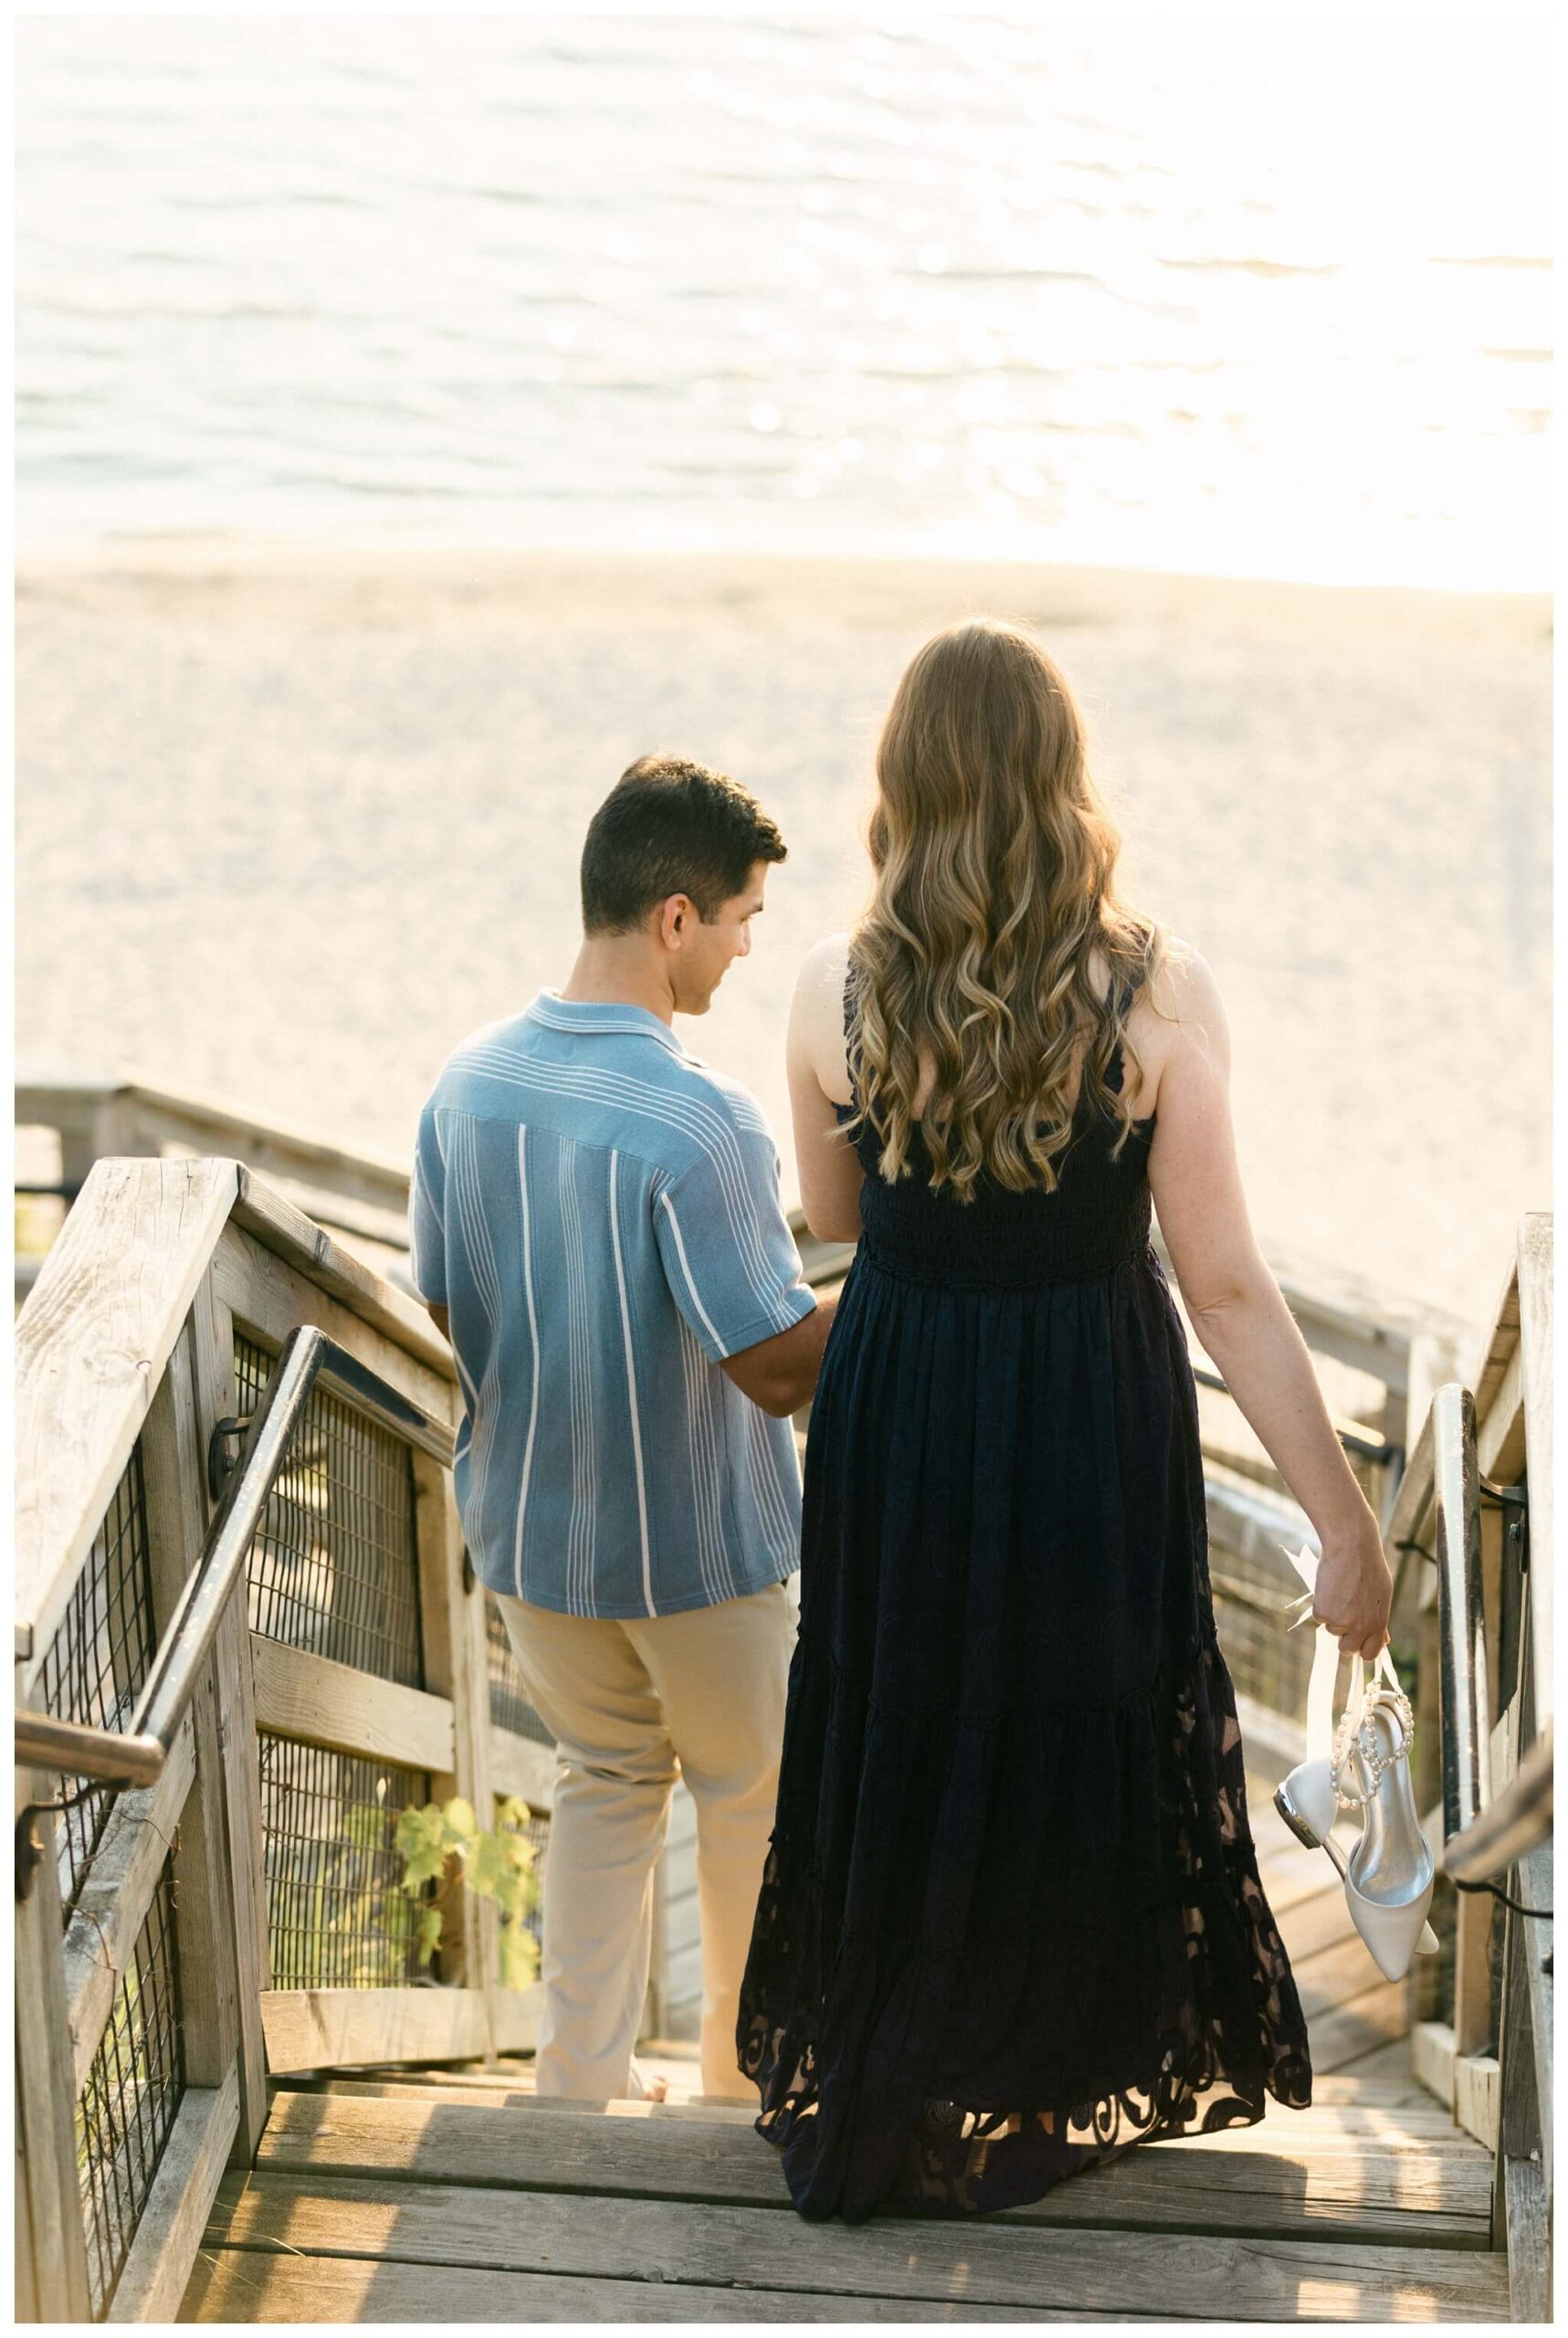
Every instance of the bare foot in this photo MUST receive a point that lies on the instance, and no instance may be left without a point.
(643, 2089)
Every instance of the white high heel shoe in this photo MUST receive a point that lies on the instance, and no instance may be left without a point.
(1305, 1801)
(1390, 1874)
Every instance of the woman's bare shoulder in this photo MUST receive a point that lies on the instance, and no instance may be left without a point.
(826, 962)
(816, 1017)
(1184, 990)
(1184, 1016)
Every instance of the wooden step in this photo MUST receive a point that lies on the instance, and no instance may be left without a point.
(1358, 2186)
(1337, 1974)
(764, 2251)
(1319, 1920)
(1413, 2116)
(243, 2285)
(1355, 2027)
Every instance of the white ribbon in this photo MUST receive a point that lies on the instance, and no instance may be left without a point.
(1325, 1663)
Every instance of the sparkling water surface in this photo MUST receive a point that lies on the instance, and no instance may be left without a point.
(1264, 298)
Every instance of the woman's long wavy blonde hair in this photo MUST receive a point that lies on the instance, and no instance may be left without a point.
(995, 866)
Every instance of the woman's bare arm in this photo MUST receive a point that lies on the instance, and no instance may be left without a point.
(1239, 1314)
(827, 1162)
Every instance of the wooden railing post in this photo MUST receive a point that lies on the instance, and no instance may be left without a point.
(455, 1665)
(46, 2098)
(212, 1399)
(173, 1475)
(1535, 1259)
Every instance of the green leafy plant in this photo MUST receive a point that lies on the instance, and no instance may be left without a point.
(443, 1844)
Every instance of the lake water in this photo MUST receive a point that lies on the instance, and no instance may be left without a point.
(1216, 296)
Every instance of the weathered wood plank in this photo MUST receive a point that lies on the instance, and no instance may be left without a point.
(1289, 1880)
(1335, 1975)
(91, 1345)
(1323, 1920)
(1500, 1435)
(1382, 2074)
(490, 2089)
(1477, 2096)
(1535, 1254)
(1528, 2240)
(515, 2018)
(178, 2205)
(1356, 2026)
(1500, 1340)
(44, 2105)
(1412, 2120)
(1358, 2185)
(112, 1904)
(300, 1695)
(212, 1344)
(311, 2029)
(173, 1475)
(209, 1124)
(453, 1623)
(307, 1249)
(270, 1297)
(1432, 2057)
(1413, 1502)
(1473, 1921)
(239, 2285)
(519, 1767)
(1003, 2262)
(26, 2304)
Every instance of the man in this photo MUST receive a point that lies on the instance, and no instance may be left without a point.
(597, 1229)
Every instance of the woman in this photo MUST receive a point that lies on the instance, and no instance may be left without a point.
(1011, 1918)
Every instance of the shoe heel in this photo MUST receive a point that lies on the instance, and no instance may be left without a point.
(1306, 1801)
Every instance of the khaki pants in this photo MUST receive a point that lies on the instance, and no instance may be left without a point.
(627, 1702)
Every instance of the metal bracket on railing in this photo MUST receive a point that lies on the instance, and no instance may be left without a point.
(29, 1845)
(221, 1466)
(1516, 1527)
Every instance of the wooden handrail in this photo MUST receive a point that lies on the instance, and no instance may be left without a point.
(1461, 1622)
(136, 1116)
(1510, 1828)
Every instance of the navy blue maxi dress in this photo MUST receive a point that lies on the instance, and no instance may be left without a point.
(1011, 1918)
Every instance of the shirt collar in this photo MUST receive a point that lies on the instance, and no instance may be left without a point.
(600, 1017)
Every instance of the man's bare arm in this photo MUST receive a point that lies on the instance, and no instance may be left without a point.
(780, 1373)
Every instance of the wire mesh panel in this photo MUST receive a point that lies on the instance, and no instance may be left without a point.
(128, 2105)
(99, 1658)
(334, 1566)
(337, 1915)
(509, 1708)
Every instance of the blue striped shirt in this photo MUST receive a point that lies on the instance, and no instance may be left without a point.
(599, 1213)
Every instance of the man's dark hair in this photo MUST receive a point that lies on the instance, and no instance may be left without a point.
(671, 826)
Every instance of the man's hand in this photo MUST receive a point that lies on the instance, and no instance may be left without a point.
(780, 1373)
(442, 1320)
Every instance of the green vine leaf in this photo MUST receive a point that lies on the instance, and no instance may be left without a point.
(460, 1822)
(420, 1837)
(438, 1841)
(519, 1956)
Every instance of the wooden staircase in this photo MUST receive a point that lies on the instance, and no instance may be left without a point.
(459, 2197)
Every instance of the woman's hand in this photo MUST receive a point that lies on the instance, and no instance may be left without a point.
(1354, 1590)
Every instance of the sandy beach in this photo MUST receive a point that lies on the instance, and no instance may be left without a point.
(289, 826)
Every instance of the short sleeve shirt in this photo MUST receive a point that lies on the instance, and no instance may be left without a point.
(599, 1213)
